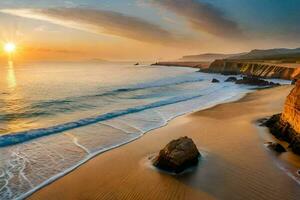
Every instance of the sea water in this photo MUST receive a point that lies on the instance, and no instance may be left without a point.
(56, 116)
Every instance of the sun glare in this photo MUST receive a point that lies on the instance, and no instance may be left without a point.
(9, 47)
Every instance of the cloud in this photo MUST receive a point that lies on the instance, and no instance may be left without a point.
(202, 16)
(99, 21)
(49, 50)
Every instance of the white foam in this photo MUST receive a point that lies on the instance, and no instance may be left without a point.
(92, 155)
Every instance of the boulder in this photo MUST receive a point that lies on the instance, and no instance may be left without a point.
(284, 131)
(231, 79)
(276, 147)
(215, 80)
(177, 155)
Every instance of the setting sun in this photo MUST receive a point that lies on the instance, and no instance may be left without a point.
(9, 47)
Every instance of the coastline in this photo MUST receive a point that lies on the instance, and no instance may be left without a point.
(258, 68)
(98, 153)
(113, 175)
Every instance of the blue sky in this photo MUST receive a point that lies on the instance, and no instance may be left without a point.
(168, 27)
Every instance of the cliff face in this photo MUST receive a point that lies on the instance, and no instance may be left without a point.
(263, 70)
(291, 112)
(286, 126)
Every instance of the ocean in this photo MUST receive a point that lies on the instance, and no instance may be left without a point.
(56, 116)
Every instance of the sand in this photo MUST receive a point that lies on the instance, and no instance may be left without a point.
(235, 163)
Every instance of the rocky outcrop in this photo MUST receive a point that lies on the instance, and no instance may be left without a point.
(177, 155)
(276, 147)
(255, 81)
(259, 69)
(231, 79)
(286, 126)
(214, 80)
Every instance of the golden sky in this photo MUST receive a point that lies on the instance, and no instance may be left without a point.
(145, 30)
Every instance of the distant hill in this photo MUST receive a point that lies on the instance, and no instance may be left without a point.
(208, 57)
(270, 54)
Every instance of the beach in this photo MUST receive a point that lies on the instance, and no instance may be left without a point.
(235, 164)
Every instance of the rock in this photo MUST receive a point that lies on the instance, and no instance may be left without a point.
(295, 145)
(215, 80)
(231, 79)
(177, 155)
(293, 81)
(272, 120)
(277, 147)
(255, 81)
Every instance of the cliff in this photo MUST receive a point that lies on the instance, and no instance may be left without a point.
(286, 126)
(291, 112)
(259, 69)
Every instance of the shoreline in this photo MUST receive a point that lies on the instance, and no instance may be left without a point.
(77, 173)
(87, 159)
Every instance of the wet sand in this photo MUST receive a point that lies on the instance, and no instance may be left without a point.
(236, 164)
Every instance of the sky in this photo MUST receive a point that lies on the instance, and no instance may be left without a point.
(145, 29)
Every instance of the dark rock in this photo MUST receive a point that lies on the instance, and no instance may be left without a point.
(284, 131)
(272, 120)
(231, 79)
(215, 81)
(255, 81)
(277, 147)
(293, 81)
(226, 73)
(177, 155)
(262, 121)
(295, 145)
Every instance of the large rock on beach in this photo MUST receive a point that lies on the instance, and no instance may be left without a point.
(177, 155)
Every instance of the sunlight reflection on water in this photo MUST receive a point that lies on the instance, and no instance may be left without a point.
(11, 78)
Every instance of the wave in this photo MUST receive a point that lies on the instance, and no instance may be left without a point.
(20, 137)
(72, 104)
(154, 84)
(158, 84)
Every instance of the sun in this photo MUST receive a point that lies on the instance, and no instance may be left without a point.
(9, 47)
